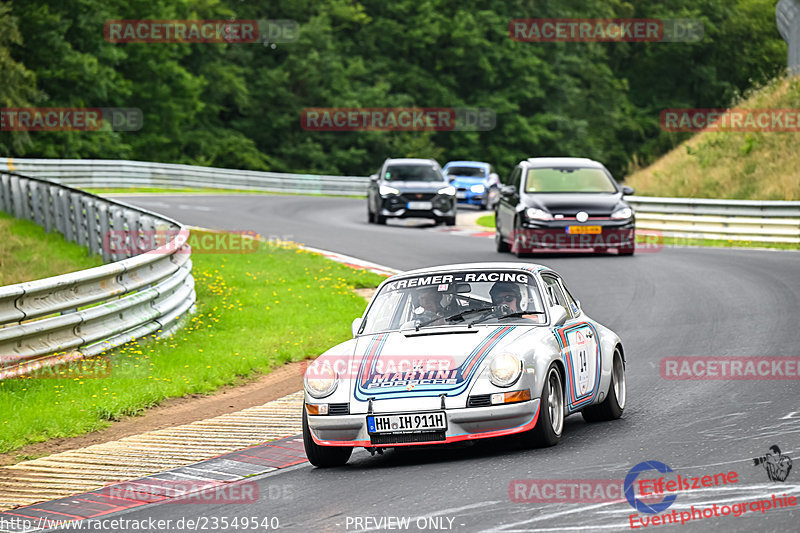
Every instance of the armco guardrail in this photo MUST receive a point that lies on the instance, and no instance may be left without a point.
(108, 173)
(735, 220)
(84, 313)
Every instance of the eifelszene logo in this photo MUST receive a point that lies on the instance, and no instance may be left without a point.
(630, 495)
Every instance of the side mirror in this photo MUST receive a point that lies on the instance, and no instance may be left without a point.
(356, 326)
(374, 177)
(626, 191)
(508, 190)
(558, 314)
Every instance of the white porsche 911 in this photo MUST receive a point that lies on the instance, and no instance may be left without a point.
(462, 352)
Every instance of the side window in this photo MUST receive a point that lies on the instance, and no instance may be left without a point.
(515, 178)
(572, 308)
(555, 295)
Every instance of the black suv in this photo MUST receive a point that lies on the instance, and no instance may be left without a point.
(405, 188)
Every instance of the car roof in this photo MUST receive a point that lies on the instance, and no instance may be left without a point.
(467, 163)
(410, 161)
(546, 162)
(496, 265)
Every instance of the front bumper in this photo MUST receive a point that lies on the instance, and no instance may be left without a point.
(537, 236)
(396, 206)
(462, 424)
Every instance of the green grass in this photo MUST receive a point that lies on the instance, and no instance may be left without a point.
(715, 243)
(27, 252)
(735, 165)
(487, 221)
(255, 312)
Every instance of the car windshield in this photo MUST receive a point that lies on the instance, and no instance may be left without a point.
(412, 173)
(455, 299)
(543, 180)
(470, 172)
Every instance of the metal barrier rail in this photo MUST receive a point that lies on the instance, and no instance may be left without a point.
(108, 173)
(735, 220)
(82, 314)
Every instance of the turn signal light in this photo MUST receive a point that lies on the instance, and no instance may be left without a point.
(511, 397)
(320, 409)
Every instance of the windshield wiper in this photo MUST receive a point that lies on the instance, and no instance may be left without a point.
(507, 315)
(457, 315)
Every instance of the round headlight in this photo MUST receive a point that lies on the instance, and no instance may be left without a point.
(504, 370)
(320, 381)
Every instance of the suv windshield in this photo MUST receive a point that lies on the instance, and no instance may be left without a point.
(412, 173)
(455, 299)
(568, 180)
(470, 172)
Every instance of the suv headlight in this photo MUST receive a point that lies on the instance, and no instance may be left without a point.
(620, 214)
(538, 214)
(478, 189)
(385, 190)
(449, 191)
(505, 369)
(320, 381)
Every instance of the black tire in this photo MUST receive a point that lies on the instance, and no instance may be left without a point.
(380, 219)
(550, 425)
(450, 221)
(500, 244)
(323, 456)
(612, 407)
(370, 217)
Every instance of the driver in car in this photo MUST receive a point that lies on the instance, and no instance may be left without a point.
(428, 306)
(507, 297)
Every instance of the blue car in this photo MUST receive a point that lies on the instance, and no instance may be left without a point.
(476, 183)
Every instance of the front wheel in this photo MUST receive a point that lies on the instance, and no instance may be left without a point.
(548, 428)
(450, 221)
(611, 408)
(323, 456)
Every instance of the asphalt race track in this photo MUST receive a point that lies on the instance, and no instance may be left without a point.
(676, 302)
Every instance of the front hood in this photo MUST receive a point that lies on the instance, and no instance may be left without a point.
(464, 181)
(417, 186)
(569, 204)
(430, 362)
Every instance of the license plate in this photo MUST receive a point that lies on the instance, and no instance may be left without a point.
(419, 206)
(407, 423)
(580, 230)
(461, 194)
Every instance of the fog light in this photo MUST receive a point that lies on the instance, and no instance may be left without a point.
(317, 409)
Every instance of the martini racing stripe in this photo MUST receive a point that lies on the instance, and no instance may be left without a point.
(457, 382)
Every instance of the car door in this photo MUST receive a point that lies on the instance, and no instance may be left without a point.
(580, 351)
(507, 207)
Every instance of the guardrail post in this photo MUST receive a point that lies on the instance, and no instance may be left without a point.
(104, 217)
(16, 197)
(5, 193)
